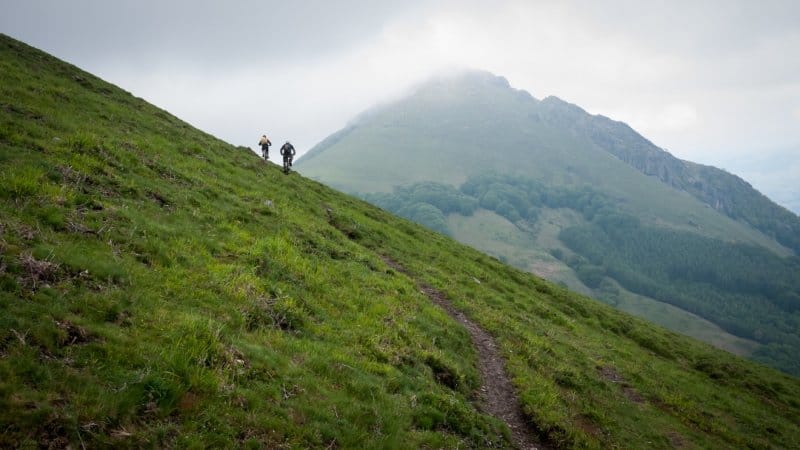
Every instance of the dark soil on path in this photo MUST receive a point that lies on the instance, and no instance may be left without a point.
(497, 397)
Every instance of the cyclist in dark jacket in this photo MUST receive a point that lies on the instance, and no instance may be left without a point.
(287, 151)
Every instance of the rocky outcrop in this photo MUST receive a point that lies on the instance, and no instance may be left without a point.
(717, 188)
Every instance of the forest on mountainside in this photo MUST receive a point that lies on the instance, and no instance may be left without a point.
(747, 290)
(738, 200)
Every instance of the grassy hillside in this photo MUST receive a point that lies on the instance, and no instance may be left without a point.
(160, 288)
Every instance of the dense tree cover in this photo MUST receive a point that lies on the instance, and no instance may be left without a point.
(746, 290)
(425, 203)
(518, 197)
(425, 214)
(737, 199)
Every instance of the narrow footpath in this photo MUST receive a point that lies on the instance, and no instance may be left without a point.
(497, 397)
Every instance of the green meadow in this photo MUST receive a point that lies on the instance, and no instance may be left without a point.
(161, 288)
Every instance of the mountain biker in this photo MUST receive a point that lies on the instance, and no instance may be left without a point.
(287, 151)
(264, 143)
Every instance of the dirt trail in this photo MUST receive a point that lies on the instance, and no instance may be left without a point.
(498, 397)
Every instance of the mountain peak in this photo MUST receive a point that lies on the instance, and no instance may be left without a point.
(483, 76)
(473, 76)
(470, 80)
(554, 103)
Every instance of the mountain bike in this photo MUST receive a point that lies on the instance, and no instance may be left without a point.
(287, 163)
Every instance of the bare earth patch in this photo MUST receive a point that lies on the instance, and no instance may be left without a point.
(37, 272)
(75, 335)
(611, 375)
(544, 269)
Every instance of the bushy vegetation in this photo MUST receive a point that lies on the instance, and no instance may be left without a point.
(518, 197)
(160, 288)
(425, 203)
(747, 290)
(737, 199)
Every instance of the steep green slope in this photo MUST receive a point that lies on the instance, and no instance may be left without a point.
(160, 288)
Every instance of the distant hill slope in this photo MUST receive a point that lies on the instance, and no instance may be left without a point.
(583, 191)
(724, 192)
(160, 288)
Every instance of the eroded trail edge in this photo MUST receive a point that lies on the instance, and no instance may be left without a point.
(497, 397)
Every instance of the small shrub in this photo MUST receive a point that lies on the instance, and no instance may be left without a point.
(53, 217)
(346, 224)
(7, 283)
(567, 379)
(443, 373)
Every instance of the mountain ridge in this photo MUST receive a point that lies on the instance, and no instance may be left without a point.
(715, 187)
(709, 185)
(434, 155)
(704, 182)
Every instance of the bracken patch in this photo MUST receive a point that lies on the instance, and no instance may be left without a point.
(36, 272)
(73, 334)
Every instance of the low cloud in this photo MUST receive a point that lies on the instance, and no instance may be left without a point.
(707, 80)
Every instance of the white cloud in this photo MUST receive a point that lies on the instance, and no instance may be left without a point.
(774, 173)
(673, 117)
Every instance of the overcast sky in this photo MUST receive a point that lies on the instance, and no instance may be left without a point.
(716, 82)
